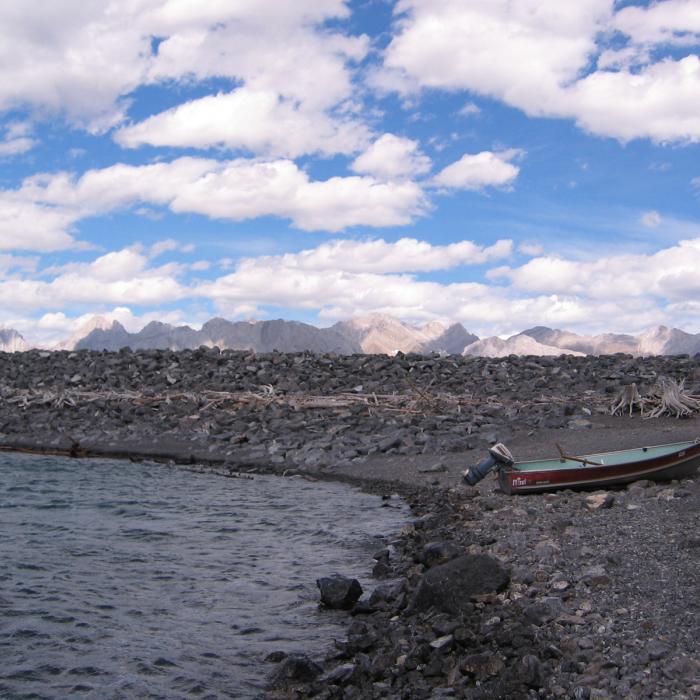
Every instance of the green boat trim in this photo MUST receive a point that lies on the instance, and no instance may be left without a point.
(607, 459)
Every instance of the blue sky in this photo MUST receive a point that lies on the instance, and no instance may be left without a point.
(498, 163)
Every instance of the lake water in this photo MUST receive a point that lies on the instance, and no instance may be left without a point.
(121, 580)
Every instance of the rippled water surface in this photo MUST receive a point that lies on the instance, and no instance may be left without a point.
(122, 580)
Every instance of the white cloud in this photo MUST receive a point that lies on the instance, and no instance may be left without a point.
(474, 172)
(111, 278)
(340, 279)
(469, 110)
(167, 245)
(380, 257)
(259, 121)
(651, 219)
(657, 102)
(518, 51)
(243, 189)
(667, 22)
(670, 273)
(41, 213)
(530, 249)
(391, 157)
(537, 56)
(270, 46)
(12, 264)
(82, 59)
(26, 225)
(17, 139)
(339, 294)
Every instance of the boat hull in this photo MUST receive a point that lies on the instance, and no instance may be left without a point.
(677, 464)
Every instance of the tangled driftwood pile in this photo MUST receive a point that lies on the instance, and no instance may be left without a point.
(667, 397)
(419, 401)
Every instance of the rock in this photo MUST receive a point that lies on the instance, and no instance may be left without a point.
(436, 553)
(361, 636)
(596, 576)
(530, 671)
(295, 668)
(449, 587)
(442, 643)
(656, 650)
(386, 592)
(435, 468)
(482, 666)
(579, 424)
(542, 611)
(339, 592)
(640, 485)
(597, 501)
(340, 675)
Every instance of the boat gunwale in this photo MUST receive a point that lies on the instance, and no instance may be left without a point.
(672, 464)
(515, 467)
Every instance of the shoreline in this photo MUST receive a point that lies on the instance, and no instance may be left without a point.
(600, 599)
(436, 501)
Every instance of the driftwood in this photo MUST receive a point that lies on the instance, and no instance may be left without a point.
(627, 399)
(416, 401)
(670, 398)
(667, 397)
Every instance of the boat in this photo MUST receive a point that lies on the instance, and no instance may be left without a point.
(601, 470)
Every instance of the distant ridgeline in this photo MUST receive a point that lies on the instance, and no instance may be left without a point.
(368, 334)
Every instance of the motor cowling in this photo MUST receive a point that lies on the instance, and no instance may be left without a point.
(499, 455)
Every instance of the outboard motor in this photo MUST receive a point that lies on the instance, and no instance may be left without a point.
(499, 455)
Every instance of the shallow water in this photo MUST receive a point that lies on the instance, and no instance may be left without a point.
(121, 580)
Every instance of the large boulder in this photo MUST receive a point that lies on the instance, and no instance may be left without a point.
(450, 587)
(339, 592)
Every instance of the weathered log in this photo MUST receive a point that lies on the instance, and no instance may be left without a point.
(670, 398)
(627, 399)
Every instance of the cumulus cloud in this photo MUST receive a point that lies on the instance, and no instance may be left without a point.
(480, 170)
(379, 256)
(40, 214)
(17, 139)
(27, 225)
(258, 121)
(82, 59)
(550, 47)
(109, 279)
(340, 279)
(391, 157)
(668, 22)
(484, 308)
(670, 273)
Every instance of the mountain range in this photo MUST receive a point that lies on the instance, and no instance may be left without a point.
(376, 333)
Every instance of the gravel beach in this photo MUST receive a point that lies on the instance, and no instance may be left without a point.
(565, 595)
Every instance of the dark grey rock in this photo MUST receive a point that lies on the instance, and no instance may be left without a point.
(542, 611)
(295, 668)
(339, 592)
(436, 553)
(450, 587)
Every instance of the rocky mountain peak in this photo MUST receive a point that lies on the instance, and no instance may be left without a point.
(12, 341)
